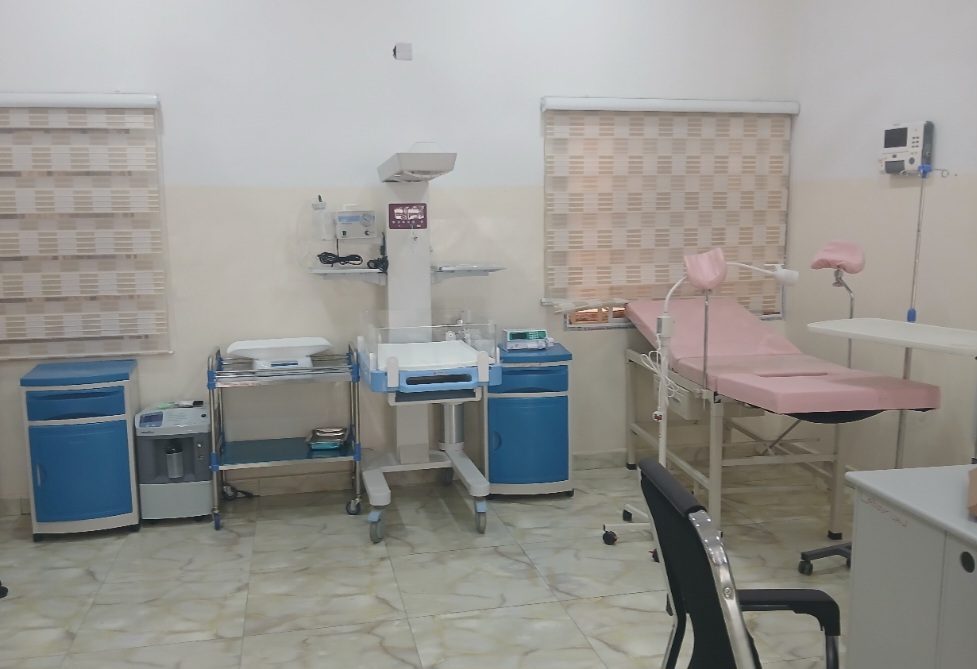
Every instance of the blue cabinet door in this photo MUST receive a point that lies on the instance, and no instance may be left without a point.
(528, 439)
(81, 471)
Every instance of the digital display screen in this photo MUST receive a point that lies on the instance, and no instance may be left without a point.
(521, 335)
(896, 137)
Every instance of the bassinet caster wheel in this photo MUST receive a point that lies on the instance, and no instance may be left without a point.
(610, 538)
(376, 530)
(481, 521)
(805, 567)
(217, 521)
(353, 507)
(446, 476)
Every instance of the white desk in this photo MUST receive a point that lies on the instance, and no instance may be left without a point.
(913, 602)
(902, 333)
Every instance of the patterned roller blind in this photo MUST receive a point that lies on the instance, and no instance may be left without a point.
(629, 194)
(81, 233)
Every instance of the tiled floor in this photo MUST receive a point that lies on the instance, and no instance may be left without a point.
(292, 581)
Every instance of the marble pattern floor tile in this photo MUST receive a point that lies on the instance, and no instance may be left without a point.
(153, 612)
(538, 636)
(465, 580)
(325, 596)
(430, 520)
(627, 631)
(283, 545)
(556, 517)
(49, 662)
(376, 645)
(293, 581)
(217, 654)
(588, 568)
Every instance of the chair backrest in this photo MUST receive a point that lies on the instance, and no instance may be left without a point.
(697, 571)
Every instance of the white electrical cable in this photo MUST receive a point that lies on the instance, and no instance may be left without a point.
(652, 361)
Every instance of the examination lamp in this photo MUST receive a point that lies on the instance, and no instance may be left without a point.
(706, 271)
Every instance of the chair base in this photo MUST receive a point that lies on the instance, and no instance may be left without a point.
(806, 566)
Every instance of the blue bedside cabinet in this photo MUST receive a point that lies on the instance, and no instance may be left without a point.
(80, 446)
(527, 421)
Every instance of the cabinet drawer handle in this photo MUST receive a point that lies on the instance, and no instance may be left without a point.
(967, 562)
(37, 475)
(496, 441)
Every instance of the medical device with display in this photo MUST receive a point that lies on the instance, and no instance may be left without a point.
(522, 339)
(351, 224)
(907, 147)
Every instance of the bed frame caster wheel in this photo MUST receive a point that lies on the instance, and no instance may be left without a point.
(610, 538)
(446, 476)
(805, 567)
(570, 492)
(38, 537)
(631, 466)
(481, 521)
(626, 516)
(376, 531)
(353, 507)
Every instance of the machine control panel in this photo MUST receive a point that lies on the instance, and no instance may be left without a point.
(172, 420)
(522, 339)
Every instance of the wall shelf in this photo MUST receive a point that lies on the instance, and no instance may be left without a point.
(439, 273)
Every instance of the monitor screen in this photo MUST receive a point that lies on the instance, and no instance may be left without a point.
(896, 137)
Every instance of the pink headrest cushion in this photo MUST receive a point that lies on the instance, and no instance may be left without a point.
(839, 254)
(706, 271)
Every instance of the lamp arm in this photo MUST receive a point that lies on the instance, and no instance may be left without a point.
(784, 276)
(671, 291)
(758, 270)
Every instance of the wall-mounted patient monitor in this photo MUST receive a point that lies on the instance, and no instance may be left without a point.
(906, 147)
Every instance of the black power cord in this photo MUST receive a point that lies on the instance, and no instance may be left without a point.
(380, 263)
(327, 258)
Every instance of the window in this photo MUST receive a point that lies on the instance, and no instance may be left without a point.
(81, 227)
(629, 193)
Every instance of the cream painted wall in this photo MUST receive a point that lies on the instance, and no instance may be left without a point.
(859, 67)
(266, 104)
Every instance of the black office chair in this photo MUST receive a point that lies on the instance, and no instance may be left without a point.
(701, 587)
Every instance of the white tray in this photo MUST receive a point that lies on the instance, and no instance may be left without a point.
(290, 348)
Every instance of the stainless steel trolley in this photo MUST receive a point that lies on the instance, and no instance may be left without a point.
(237, 373)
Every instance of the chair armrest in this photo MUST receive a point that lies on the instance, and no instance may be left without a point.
(799, 600)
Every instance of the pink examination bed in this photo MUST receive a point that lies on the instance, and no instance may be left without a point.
(749, 363)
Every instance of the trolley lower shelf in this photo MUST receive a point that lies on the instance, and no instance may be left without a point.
(270, 452)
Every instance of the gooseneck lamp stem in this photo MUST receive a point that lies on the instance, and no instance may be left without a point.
(664, 329)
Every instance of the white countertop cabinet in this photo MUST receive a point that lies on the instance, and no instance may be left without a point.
(913, 580)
